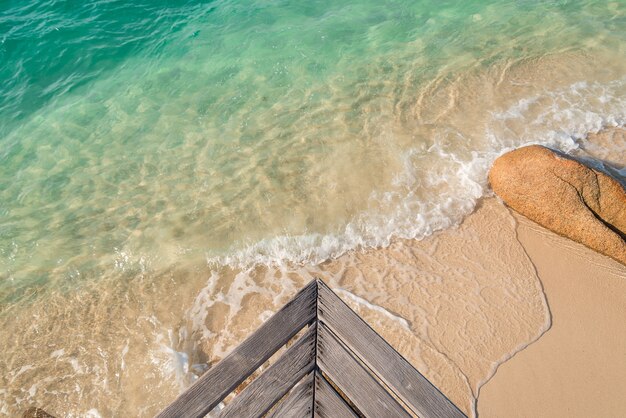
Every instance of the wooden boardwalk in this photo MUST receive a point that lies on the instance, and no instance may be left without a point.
(339, 367)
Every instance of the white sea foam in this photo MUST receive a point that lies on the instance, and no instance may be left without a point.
(211, 145)
(57, 353)
(371, 306)
(173, 364)
(243, 284)
(92, 413)
(22, 369)
(557, 119)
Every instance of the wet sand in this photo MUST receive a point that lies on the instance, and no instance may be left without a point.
(466, 306)
(456, 304)
(484, 314)
(125, 336)
(577, 368)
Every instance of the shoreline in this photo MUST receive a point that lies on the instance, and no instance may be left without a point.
(464, 306)
(577, 366)
(486, 390)
(469, 294)
(170, 185)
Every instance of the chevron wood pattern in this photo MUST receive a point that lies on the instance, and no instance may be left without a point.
(339, 367)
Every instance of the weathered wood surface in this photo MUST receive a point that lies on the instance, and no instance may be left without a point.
(353, 379)
(267, 389)
(424, 399)
(340, 344)
(298, 403)
(34, 412)
(328, 403)
(220, 380)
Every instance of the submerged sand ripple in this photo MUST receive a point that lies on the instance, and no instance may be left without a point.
(471, 296)
(456, 305)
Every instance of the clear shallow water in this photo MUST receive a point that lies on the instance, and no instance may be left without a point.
(138, 141)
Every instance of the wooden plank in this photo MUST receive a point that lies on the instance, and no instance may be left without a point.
(353, 379)
(267, 389)
(328, 403)
(219, 381)
(403, 379)
(298, 403)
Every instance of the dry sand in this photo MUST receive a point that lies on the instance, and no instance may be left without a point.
(456, 304)
(460, 305)
(472, 298)
(577, 368)
(469, 302)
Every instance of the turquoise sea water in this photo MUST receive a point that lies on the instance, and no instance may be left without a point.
(139, 137)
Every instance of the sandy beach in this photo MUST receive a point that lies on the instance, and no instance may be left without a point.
(456, 304)
(505, 317)
(577, 367)
(172, 173)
